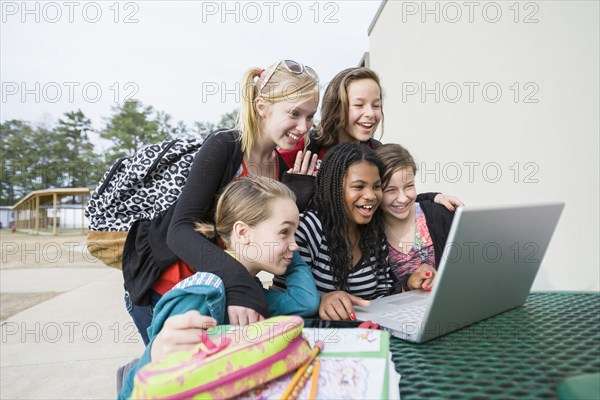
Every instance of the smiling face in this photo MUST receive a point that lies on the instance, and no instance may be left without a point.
(271, 243)
(399, 195)
(362, 192)
(364, 110)
(286, 122)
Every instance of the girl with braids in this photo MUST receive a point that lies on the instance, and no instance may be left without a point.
(278, 105)
(351, 112)
(342, 237)
(255, 222)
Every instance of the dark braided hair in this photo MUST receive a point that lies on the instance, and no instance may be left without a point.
(329, 204)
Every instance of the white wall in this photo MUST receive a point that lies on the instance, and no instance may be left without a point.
(6, 217)
(70, 217)
(552, 134)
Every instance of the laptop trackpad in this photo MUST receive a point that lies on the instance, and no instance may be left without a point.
(406, 300)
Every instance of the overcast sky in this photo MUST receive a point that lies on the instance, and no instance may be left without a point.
(182, 57)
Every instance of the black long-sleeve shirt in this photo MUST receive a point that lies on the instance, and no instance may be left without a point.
(162, 241)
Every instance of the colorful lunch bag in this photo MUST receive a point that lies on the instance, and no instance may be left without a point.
(234, 361)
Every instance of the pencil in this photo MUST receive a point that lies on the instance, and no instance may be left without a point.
(298, 375)
(298, 388)
(315, 379)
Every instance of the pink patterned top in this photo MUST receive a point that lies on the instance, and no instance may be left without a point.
(401, 264)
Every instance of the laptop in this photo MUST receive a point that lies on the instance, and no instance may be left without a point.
(490, 261)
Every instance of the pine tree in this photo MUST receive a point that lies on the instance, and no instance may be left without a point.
(132, 127)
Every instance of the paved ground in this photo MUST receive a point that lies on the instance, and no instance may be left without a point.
(64, 328)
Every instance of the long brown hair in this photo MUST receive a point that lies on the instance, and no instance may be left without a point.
(334, 112)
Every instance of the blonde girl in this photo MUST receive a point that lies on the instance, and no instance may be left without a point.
(255, 223)
(277, 110)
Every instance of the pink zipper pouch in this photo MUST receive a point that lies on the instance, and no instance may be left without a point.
(228, 365)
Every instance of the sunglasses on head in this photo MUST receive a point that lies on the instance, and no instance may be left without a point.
(292, 66)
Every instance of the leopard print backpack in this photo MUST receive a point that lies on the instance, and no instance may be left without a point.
(137, 187)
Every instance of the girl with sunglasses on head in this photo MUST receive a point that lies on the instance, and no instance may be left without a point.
(341, 236)
(255, 222)
(277, 110)
(351, 112)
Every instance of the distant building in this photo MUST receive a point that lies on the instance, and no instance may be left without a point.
(52, 211)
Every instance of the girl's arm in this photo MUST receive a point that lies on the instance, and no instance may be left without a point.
(300, 297)
(450, 202)
(180, 332)
(339, 305)
(194, 304)
(421, 278)
(303, 187)
(300, 177)
(211, 168)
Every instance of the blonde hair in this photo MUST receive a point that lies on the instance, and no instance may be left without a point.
(245, 199)
(282, 85)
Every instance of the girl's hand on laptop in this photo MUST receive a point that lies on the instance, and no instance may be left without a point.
(339, 305)
(422, 278)
(180, 332)
(450, 202)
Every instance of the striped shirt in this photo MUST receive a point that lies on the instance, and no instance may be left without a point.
(362, 280)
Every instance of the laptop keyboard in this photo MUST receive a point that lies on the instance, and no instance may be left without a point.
(408, 314)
